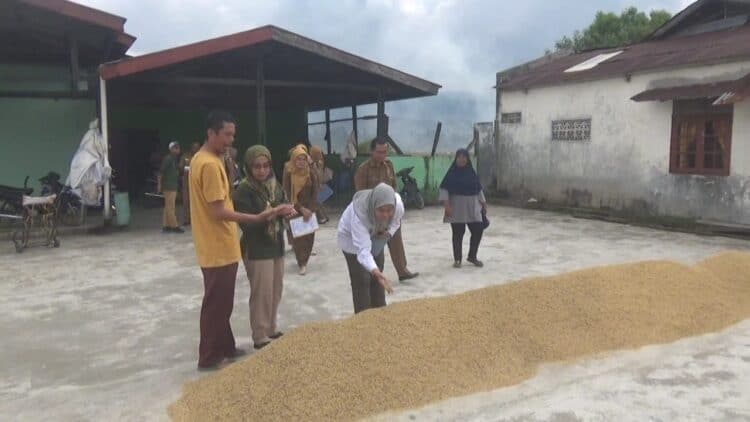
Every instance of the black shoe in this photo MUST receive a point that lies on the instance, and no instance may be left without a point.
(211, 368)
(408, 277)
(165, 230)
(476, 262)
(457, 264)
(238, 353)
(177, 230)
(276, 335)
(261, 345)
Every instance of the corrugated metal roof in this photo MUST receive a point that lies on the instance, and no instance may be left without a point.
(297, 71)
(254, 38)
(730, 91)
(702, 49)
(80, 12)
(86, 14)
(41, 31)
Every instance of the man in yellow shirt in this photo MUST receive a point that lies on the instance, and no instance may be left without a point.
(217, 242)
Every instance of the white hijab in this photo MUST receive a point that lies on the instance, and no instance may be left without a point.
(365, 202)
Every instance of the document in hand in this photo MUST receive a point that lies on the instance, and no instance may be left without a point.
(301, 228)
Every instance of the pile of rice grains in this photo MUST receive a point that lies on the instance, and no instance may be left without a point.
(410, 354)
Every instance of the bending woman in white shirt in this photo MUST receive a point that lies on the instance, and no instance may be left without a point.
(364, 229)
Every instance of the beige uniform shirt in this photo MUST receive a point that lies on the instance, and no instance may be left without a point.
(371, 174)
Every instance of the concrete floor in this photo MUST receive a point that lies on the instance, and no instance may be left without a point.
(106, 327)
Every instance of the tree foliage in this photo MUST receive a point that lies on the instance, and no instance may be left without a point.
(611, 30)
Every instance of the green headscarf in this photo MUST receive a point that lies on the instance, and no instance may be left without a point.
(268, 191)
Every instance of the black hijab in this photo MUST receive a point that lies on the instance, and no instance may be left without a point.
(462, 180)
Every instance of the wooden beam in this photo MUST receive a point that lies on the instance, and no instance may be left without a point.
(475, 145)
(104, 126)
(268, 83)
(260, 90)
(382, 130)
(44, 94)
(437, 138)
(75, 72)
(322, 85)
(354, 124)
(307, 125)
(394, 145)
(348, 119)
(328, 130)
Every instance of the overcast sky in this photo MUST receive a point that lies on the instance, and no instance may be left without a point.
(459, 44)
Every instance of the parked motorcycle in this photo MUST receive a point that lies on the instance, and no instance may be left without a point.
(410, 194)
(11, 198)
(70, 209)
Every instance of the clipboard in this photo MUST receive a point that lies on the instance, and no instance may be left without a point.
(300, 228)
(325, 193)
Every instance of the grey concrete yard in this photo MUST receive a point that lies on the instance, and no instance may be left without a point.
(106, 327)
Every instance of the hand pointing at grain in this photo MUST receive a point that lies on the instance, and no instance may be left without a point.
(383, 281)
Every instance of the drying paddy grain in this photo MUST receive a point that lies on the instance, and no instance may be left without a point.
(413, 353)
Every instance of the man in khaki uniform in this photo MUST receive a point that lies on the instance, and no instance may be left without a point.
(167, 183)
(185, 171)
(378, 169)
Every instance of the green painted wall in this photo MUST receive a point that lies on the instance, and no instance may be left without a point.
(285, 127)
(439, 166)
(40, 135)
(27, 77)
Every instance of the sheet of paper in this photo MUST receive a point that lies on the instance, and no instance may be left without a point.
(301, 228)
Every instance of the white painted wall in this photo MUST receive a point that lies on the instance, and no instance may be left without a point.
(626, 164)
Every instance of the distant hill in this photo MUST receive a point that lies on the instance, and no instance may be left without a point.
(412, 122)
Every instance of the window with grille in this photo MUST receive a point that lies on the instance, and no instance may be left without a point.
(701, 138)
(571, 130)
(510, 118)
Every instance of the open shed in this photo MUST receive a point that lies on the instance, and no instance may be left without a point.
(268, 77)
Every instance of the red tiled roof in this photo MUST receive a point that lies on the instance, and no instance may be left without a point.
(702, 49)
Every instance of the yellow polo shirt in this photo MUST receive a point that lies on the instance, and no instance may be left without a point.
(217, 243)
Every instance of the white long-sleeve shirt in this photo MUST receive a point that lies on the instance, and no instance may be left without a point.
(354, 238)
